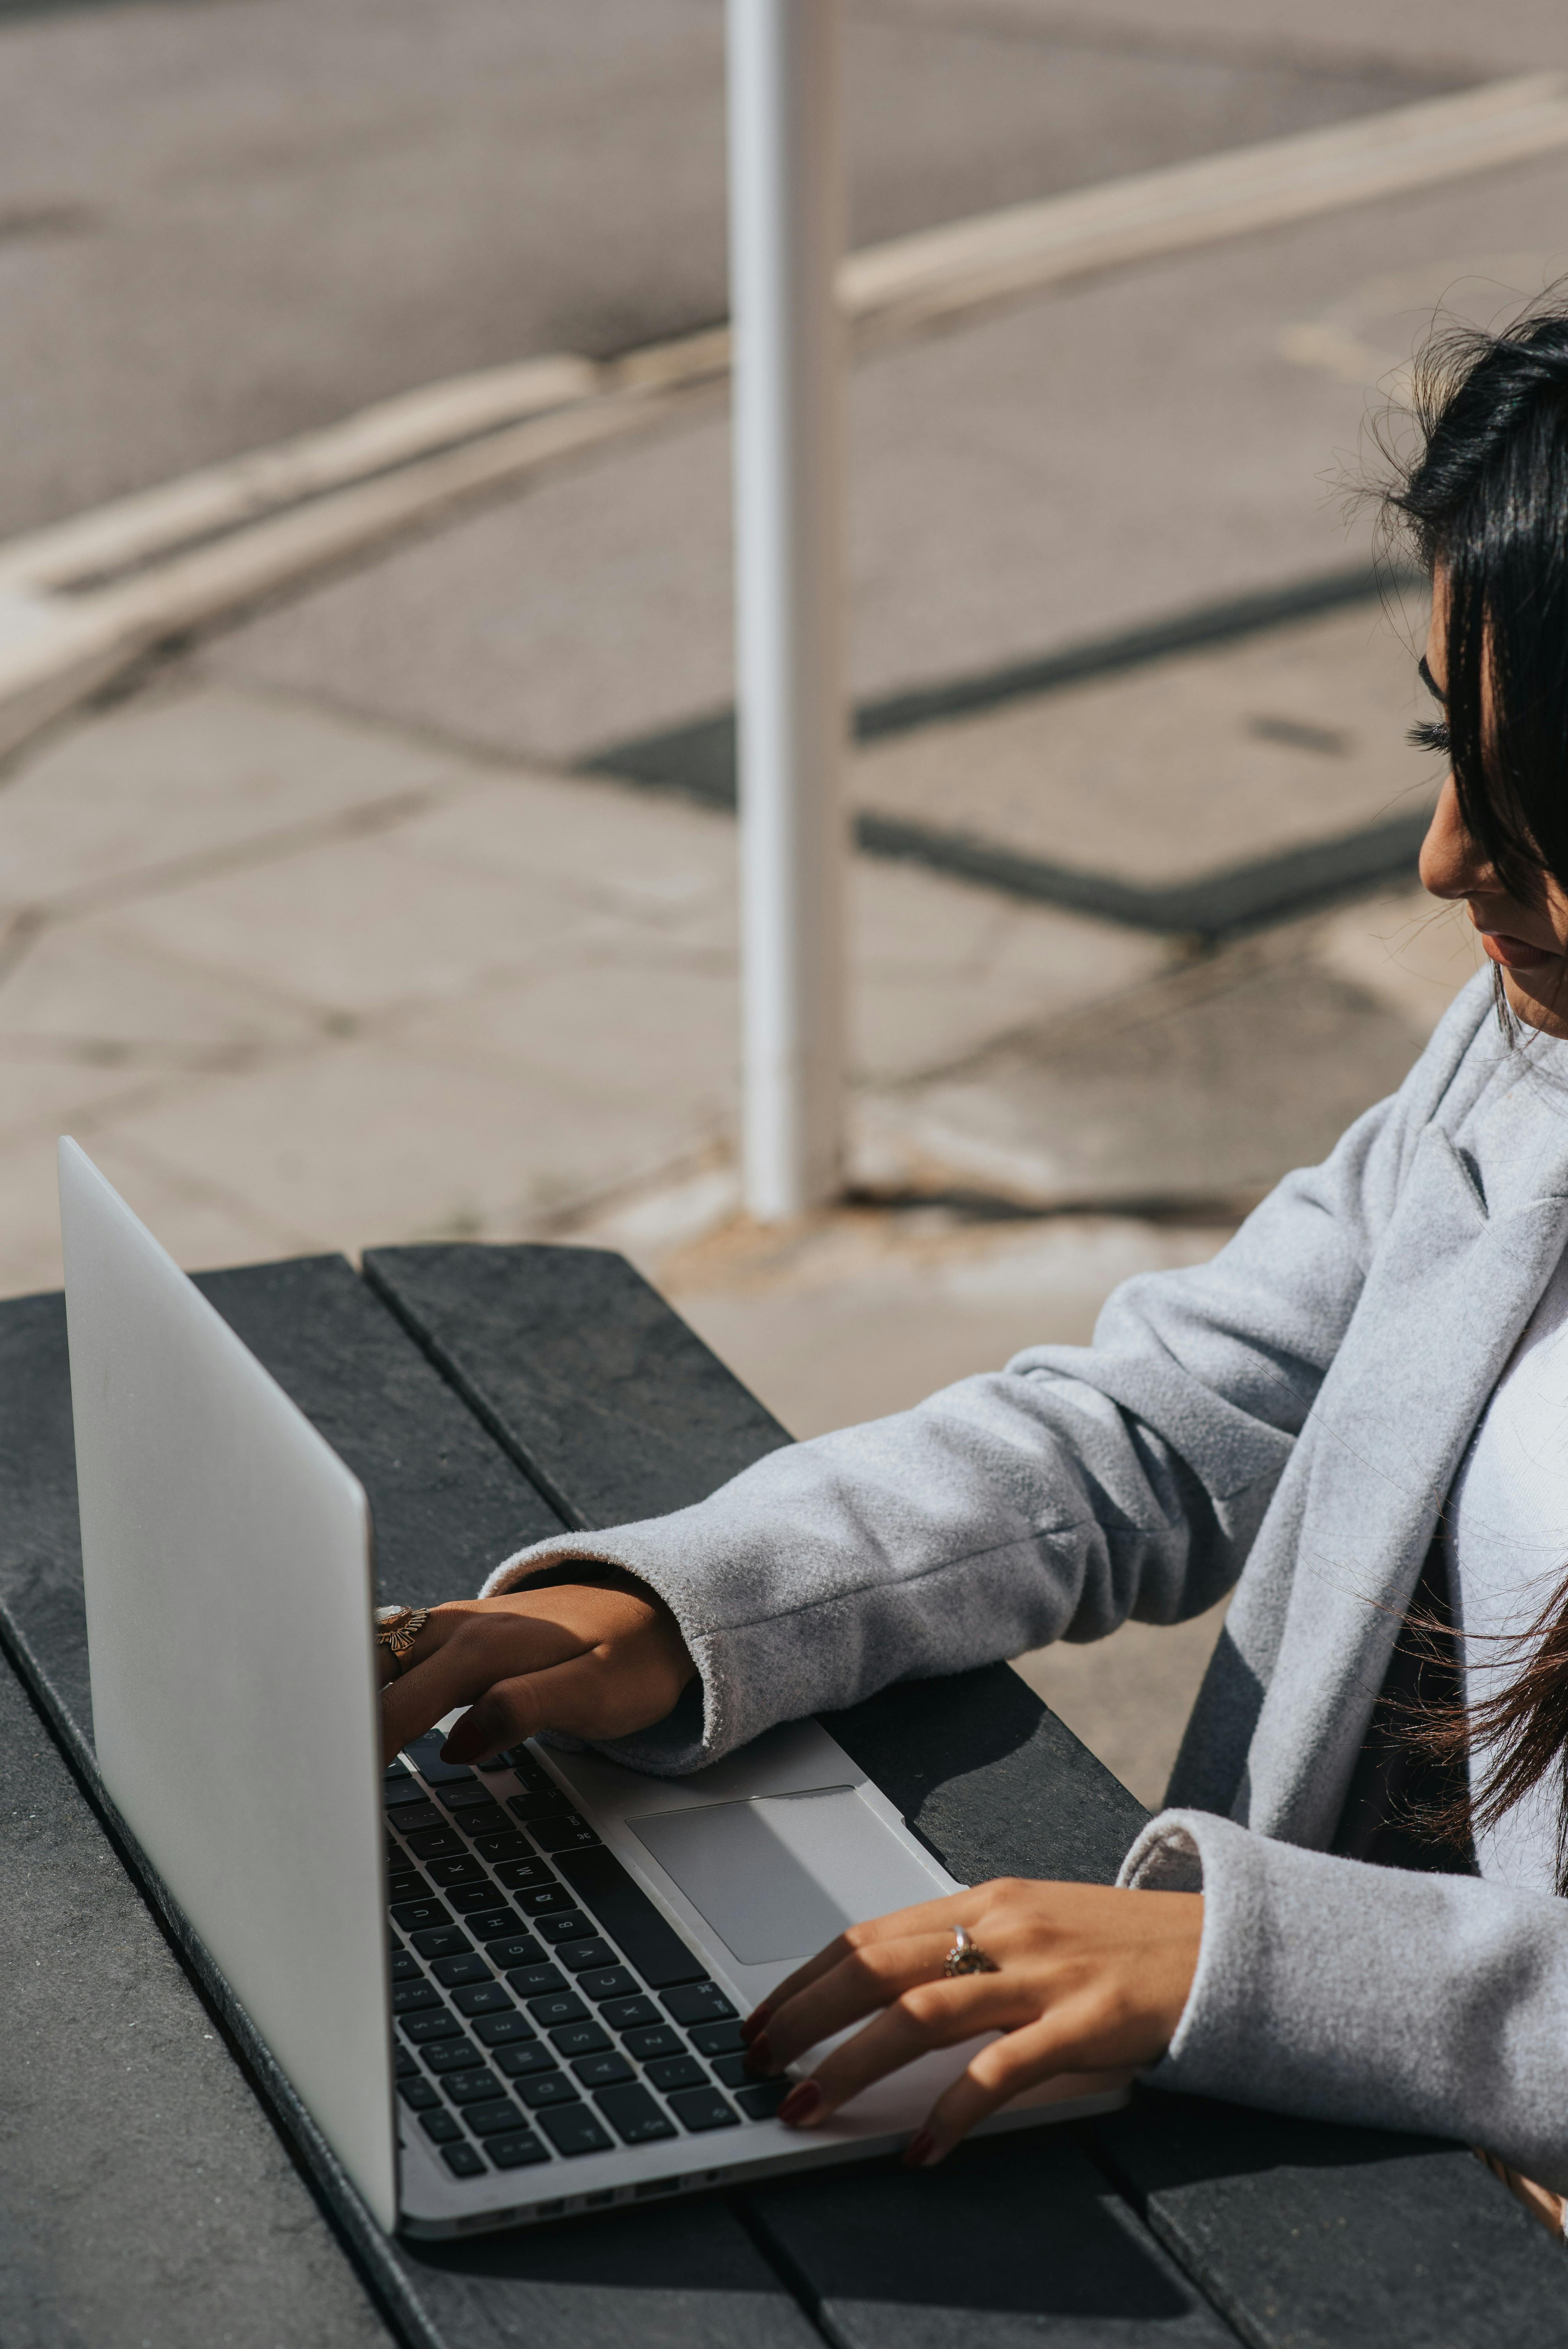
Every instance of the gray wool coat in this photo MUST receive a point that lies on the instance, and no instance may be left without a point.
(1286, 1420)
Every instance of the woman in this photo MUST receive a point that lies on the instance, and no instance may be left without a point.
(1358, 1413)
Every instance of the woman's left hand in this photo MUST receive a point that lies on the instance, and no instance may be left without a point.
(1089, 1979)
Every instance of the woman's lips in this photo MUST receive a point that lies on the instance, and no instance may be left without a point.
(1515, 954)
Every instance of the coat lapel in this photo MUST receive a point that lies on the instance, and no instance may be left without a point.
(1455, 1278)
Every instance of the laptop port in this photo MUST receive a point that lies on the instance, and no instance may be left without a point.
(658, 2186)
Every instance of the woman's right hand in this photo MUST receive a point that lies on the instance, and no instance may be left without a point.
(599, 1658)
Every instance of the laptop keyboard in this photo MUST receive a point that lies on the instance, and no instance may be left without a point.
(544, 2008)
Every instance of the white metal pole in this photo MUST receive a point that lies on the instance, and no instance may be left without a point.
(786, 213)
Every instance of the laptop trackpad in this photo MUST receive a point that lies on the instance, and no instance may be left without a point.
(779, 1876)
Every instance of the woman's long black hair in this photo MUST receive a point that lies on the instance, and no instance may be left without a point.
(1484, 503)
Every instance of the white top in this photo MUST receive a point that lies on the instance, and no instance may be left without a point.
(1507, 1532)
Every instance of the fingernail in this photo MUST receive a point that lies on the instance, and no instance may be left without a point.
(799, 2105)
(759, 2057)
(754, 2023)
(919, 2150)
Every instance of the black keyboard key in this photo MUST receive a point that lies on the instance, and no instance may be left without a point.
(529, 1874)
(573, 2129)
(404, 1966)
(702, 2108)
(492, 2120)
(471, 2087)
(667, 2071)
(653, 2039)
(536, 1982)
(454, 1971)
(443, 1941)
(426, 1755)
(416, 1916)
(608, 1982)
(502, 1844)
(468, 1899)
(416, 1818)
(581, 2039)
(456, 2055)
(520, 2152)
(542, 1898)
(539, 1803)
(561, 2007)
(440, 1842)
(624, 1911)
(463, 1794)
(626, 2013)
(437, 2023)
(494, 1925)
(418, 2095)
(700, 2002)
(763, 2098)
(406, 1884)
(407, 1998)
(455, 1871)
(486, 1821)
(403, 2064)
(517, 1949)
(521, 2063)
(602, 2071)
(565, 1834)
(547, 2088)
(441, 2127)
(731, 2073)
(583, 1957)
(507, 2030)
(637, 2120)
(462, 2160)
(482, 1998)
(401, 1794)
(527, 1767)
(716, 2038)
(565, 1925)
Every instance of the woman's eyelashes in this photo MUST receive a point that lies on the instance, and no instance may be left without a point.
(1430, 734)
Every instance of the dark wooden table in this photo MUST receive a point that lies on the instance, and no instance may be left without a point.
(157, 2185)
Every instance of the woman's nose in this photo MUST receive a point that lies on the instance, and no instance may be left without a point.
(1451, 863)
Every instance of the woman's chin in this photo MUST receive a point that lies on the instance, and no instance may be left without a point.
(1538, 996)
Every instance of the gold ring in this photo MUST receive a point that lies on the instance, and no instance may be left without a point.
(967, 1957)
(396, 1628)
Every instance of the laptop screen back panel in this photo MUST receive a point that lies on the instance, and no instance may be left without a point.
(226, 1563)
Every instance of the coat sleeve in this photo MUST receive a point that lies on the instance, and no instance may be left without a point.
(1048, 1501)
(1342, 1991)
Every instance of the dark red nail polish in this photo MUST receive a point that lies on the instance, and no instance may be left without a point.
(919, 2150)
(754, 2024)
(759, 2057)
(799, 2105)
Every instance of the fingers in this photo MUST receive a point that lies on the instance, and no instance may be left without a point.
(930, 2014)
(1001, 2071)
(585, 1696)
(899, 1925)
(460, 1654)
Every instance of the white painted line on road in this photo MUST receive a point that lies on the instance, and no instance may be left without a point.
(81, 600)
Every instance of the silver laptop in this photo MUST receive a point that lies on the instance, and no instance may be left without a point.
(505, 1995)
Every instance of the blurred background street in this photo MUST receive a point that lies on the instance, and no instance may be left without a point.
(398, 901)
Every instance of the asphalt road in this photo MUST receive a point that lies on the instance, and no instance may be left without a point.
(223, 221)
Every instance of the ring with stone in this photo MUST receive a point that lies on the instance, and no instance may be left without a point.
(967, 1957)
(396, 1628)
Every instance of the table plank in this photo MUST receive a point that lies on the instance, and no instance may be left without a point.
(447, 1501)
(1314, 2236)
(1045, 2250)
